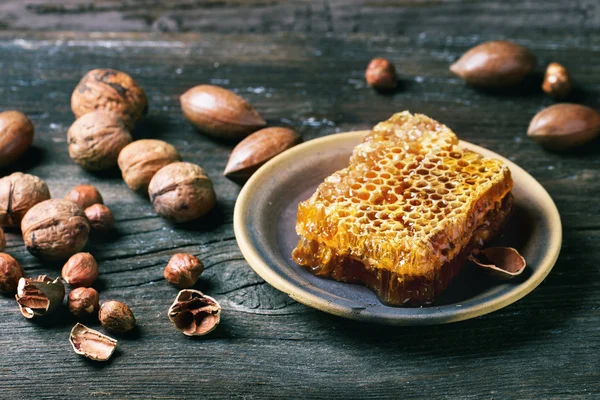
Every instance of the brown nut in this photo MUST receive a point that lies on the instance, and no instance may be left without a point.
(96, 139)
(195, 314)
(18, 193)
(40, 296)
(10, 274)
(183, 270)
(381, 74)
(181, 192)
(2, 240)
(80, 270)
(116, 316)
(564, 126)
(16, 136)
(83, 302)
(91, 343)
(257, 149)
(140, 160)
(220, 113)
(494, 64)
(108, 89)
(100, 217)
(55, 229)
(84, 196)
(557, 81)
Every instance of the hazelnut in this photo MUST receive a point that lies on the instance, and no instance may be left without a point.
(84, 196)
(181, 192)
(18, 193)
(557, 81)
(183, 270)
(16, 136)
(381, 74)
(2, 240)
(195, 314)
(10, 273)
(91, 343)
(83, 302)
(80, 270)
(40, 296)
(96, 139)
(100, 217)
(140, 160)
(116, 316)
(108, 89)
(220, 113)
(55, 229)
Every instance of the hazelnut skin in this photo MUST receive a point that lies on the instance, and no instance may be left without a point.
(10, 273)
(183, 270)
(81, 270)
(381, 74)
(18, 193)
(140, 160)
(16, 136)
(83, 302)
(96, 139)
(55, 229)
(181, 192)
(116, 316)
(84, 196)
(112, 90)
(100, 217)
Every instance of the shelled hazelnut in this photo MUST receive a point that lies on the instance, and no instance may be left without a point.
(85, 196)
(557, 81)
(10, 274)
(381, 74)
(100, 217)
(18, 193)
(83, 302)
(116, 316)
(16, 136)
(183, 270)
(81, 270)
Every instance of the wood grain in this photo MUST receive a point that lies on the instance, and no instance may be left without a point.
(544, 346)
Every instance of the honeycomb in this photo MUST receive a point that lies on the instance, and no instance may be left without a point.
(405, 213)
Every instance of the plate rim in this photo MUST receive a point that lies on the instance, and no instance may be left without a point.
(313, 300)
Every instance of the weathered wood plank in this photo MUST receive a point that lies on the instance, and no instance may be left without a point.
(544, 346)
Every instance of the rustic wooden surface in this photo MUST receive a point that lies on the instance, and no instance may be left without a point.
(544, 346)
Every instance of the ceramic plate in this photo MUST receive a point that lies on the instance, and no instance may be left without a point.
(265, 218)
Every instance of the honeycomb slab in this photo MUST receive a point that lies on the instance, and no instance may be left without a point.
(404, 215)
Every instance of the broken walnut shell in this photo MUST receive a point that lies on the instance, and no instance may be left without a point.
(16, 136)
(81, 270)
(183, 270)
(194, 314)
(381, 74)
(257, 149)
(557, 81)
(10, 274)
(499, 262)
(83, 302)
(85, 196)
(18, 193)
(220, 113)
(91, 343)
(112, 90)
(494, 64)
(40, 296)
(116, 316)
(100, 217)
(564, 126)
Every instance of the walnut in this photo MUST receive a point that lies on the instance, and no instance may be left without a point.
(16, 136)
(181, 192)
(108, 89)
(140, 160)
(96, 139)
(18, 193)
(55, 229)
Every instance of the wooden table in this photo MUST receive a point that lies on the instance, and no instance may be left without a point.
(306, 73)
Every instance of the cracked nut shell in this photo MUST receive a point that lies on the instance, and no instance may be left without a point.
(96, 139)
(116, 316)
(39, 297)
(195, 314)
(100, 217)
(80, 270)
(112, 90)
(18, 193)
(381, 74)
(181, 192)
(84, 196)
(91, 343)
(16, 136)
(183, 270)
(83, 302)
(55, 229)
(10, 274)
(140, 160)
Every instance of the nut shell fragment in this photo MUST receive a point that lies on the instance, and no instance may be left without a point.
(195, 314)
(91, 343)
(499, 262)
(40, 296)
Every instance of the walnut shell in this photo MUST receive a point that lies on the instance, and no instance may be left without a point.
(140, 160)
(181, 192)
(16, 136)
(55, 229)
(96, 139)
(112, 90)
(18, 193)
